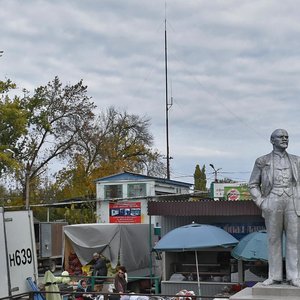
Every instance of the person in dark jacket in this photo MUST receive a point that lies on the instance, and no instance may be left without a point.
(99, 269)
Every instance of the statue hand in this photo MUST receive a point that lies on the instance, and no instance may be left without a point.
(263, 204)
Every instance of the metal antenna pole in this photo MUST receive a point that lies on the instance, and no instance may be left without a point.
(167, 103)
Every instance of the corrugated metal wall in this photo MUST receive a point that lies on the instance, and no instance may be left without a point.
(203, 208)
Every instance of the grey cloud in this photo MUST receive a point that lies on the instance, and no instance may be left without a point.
(234, 67)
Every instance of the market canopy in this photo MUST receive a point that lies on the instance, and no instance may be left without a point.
(127, 244)
(254, 246)
(195, 237)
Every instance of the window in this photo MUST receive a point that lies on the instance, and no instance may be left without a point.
(113, 191)
(136, 189)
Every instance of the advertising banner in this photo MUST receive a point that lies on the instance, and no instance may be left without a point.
(237, 193)
(125, 212)
(217, 189)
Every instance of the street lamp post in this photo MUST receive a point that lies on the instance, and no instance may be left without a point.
(215, 172)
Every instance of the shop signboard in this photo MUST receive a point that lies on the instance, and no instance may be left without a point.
(217, 189)
(234, 193)
(125, 212)
(239, 230)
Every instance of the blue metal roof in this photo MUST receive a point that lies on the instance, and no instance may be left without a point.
(140, 177)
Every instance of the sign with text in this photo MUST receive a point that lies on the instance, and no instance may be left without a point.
(239, 230)
(125, 212)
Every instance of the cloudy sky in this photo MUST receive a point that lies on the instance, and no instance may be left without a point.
(234, 69)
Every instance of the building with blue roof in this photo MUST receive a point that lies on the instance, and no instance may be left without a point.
(123, 197)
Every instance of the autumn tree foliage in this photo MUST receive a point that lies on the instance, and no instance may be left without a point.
(117, 141)
(57, 123)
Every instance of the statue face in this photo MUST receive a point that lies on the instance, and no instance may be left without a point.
(280, 139)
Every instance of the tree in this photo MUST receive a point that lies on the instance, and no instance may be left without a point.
(203, 179)
(56, 123)
(117, 141)
(199, 178)
(226, 180)
(12, 126)
(55, 115)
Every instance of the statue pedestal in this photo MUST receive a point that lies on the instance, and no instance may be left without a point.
(272, 292)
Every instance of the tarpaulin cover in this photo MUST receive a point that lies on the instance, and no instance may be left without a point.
(129, 242)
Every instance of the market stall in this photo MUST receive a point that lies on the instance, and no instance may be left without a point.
(188, 258)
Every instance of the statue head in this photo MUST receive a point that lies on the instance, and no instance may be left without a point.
(280, 139)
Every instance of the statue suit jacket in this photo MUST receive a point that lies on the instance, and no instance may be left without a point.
(261, 179)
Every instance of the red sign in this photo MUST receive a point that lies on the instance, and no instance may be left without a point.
(125, 212)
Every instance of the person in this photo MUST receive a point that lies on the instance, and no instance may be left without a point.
(99, 269)
(83, 290)
(274, 186)
(120, 281)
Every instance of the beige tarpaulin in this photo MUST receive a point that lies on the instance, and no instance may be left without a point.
(124, 243)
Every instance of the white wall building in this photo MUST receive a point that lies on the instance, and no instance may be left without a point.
(122, 197)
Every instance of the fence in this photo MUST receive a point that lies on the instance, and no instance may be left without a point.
(169, 290)
(42, 295)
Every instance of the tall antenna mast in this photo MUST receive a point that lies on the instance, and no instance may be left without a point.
(167, 101)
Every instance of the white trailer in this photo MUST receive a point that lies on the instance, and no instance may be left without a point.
(17, 252)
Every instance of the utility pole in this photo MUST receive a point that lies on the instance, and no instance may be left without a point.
(27, 186)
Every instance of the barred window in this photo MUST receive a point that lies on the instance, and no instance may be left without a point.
(113, 191)
(136, 190)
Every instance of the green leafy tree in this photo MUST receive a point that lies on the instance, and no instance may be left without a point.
(55, 115)
(86, 214)
(226, 180)
(12, 126)
(197, 178)
(200, 178)
(203, 179)
(57, 122)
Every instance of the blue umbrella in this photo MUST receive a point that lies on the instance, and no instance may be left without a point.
(254, 246)
(194, 237)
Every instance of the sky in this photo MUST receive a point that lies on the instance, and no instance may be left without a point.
(233, 69)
